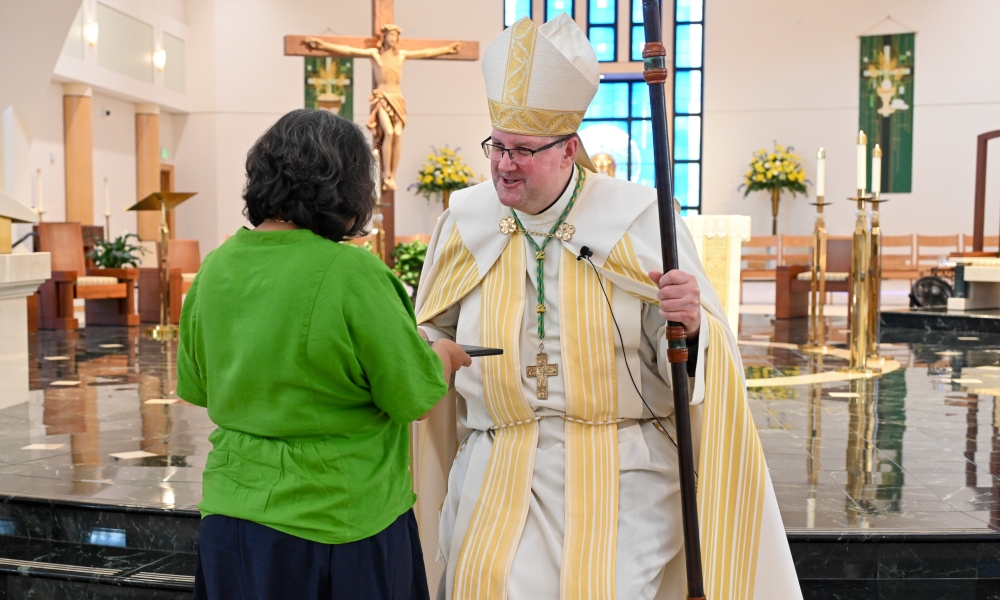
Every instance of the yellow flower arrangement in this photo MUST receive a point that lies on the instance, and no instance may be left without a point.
(780, 168)
(444, 170)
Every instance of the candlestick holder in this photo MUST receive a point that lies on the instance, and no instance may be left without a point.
(860, 258)
(874, 276)
(41, 213)
(107, 226)
(817, 290)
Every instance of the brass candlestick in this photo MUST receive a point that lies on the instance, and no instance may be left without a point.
(874, 277)
(162, 202)
(817, 291)
(860, 258)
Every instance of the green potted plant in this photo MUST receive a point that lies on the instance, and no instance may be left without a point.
(409, 262)
(117, 253)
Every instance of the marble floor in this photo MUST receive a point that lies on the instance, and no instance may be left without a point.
(103, 424)
(915, 450)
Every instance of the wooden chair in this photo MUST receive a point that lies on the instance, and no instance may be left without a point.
(795, 250)
(762, 260)
(185, 260)
(793, 283)
(109, 293)
(898, 261)
(932, 248)
(991, 243)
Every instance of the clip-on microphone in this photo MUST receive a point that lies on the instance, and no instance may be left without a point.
(585, 252)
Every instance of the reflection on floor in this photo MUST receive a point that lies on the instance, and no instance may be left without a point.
(103, 423)
(105, 456)
(915, 450)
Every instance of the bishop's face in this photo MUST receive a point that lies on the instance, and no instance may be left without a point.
(533, 184)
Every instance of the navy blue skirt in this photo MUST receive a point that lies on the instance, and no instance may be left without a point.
(243, 560)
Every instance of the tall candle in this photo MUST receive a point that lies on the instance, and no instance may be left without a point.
(38, 184)
(862, 161)
(876, 169)
(107, 198)
(821, 173)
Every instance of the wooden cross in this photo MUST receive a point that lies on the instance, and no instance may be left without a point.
(542, 371)
(382, 16)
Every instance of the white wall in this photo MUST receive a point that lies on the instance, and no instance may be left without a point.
(788, 71)
(241, 83)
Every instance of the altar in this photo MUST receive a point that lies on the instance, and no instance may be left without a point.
(719, 240)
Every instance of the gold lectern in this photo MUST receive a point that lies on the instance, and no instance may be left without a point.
(163, 201)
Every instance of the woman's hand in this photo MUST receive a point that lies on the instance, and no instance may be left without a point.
(452, 357)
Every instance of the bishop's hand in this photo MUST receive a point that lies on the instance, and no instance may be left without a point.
(680, 298)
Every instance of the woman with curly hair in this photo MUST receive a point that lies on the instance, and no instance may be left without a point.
(306, 353)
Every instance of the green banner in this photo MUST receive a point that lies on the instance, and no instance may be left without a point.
(886, 114)
(329, 84)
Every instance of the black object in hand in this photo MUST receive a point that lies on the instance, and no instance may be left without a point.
(475, 351)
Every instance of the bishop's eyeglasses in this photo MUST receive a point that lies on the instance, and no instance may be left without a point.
(519, 156)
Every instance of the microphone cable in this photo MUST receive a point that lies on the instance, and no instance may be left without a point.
(585, 254)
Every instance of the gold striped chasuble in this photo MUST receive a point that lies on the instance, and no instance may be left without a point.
(731, 468)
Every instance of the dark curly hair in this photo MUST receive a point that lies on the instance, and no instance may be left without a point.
(315, 169)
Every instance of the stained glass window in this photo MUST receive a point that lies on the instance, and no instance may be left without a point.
(514, 10)
(602, 25)
(554, 7)
(689, 49)
(618, 123)
(638, 35)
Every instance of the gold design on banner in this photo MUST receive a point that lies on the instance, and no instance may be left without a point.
(731, 480)
(494, 532)
(520, 56)
(716, 261)
(588, 353)
(523, 120)
(454, 274)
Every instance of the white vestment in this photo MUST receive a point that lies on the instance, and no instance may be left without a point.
(614, 219)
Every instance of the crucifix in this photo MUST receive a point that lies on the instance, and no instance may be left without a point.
(542, 371)
(388, 108)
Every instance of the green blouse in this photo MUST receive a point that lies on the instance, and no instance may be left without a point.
(307, 356)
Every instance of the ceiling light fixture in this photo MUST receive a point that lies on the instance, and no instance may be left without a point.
(160, 59)
(90, 31)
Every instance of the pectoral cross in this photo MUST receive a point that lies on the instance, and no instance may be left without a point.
(542, 371)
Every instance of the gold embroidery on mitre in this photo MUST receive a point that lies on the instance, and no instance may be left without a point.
(534, 121)
(520, 56)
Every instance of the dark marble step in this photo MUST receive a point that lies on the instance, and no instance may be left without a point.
(934, 319)
(73, 521)
(883, 566)
(75, 568)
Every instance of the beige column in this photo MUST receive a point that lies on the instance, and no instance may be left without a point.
(78, 130)
(147, 166)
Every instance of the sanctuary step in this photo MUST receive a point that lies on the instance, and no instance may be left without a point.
(941, 319)
(883, 566)
(60, 548)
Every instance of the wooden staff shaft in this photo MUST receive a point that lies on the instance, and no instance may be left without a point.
(655, 74)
